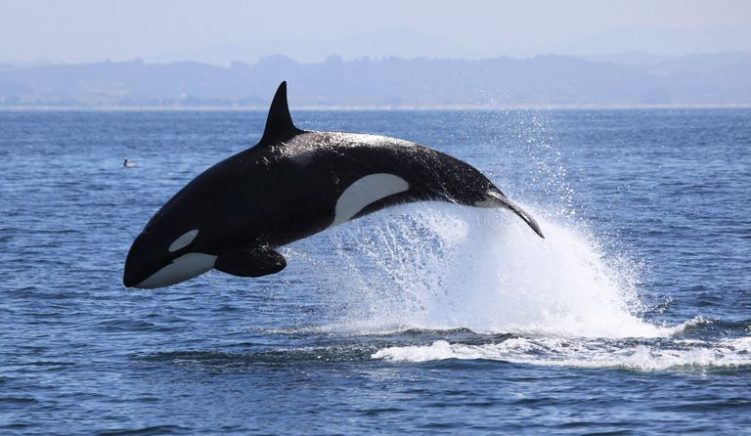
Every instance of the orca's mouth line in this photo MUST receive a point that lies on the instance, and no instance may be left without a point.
(139, 271)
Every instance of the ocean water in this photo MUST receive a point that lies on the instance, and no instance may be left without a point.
(632, 316)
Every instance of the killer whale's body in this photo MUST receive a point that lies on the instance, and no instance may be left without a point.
(293, 184)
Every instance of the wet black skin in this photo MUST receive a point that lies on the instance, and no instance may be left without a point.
(286, 188)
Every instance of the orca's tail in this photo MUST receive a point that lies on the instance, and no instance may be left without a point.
(500, 200)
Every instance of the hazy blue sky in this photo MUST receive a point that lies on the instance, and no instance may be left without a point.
(221, 30)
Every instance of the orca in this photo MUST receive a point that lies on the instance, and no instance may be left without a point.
(292, 184)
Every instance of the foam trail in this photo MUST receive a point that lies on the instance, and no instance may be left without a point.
(443, 267)
(647, 356)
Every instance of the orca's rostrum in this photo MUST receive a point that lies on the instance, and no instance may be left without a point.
(292, 184)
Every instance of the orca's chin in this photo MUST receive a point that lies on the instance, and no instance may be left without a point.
(132, 276)
(129, 283)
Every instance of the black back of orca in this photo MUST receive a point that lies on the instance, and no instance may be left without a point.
(293, 184)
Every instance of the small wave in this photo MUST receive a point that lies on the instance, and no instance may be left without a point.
(284, 356)
(702, 327)
(693, 324)
(18, 401)
(367, 328)
(630, 355)
(128, 325)
(151, 430)
(364, 328)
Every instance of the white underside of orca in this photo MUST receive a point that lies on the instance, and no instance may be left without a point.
(183, 268)
(366, 191)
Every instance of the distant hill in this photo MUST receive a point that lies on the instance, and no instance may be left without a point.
(631, 80)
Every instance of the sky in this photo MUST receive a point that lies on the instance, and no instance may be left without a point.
(221, 31)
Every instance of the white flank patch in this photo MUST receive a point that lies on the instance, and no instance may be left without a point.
(183, 240)
(183, 268)
(365, 191)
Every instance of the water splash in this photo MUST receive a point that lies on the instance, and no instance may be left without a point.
(562, 300)
(444, 267)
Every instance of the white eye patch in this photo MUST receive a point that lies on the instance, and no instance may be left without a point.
(183, 240)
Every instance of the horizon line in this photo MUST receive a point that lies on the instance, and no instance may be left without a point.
(366, 108)
(342, 58)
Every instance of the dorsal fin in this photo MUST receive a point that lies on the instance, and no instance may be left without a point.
(279, 125)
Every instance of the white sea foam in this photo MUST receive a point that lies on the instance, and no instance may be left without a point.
(583, 353)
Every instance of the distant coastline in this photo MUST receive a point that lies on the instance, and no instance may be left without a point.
(543, 82)
(40, 108)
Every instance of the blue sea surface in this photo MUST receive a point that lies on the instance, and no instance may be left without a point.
(632, 316)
